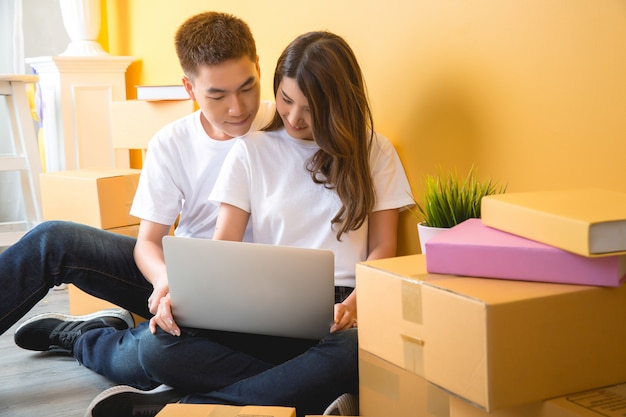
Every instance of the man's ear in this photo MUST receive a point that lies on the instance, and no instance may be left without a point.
(188, 87)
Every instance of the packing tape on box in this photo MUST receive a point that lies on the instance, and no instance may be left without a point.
(413, 350)
(412, 302)
(412, 344)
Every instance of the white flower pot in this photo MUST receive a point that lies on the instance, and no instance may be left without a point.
(425, 233)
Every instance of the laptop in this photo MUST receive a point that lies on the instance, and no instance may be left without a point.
(250, 287)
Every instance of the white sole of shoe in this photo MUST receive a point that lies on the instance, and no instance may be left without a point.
(123, 394)
(345, 405)
(119, 313)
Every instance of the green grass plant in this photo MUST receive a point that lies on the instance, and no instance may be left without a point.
(449, 199)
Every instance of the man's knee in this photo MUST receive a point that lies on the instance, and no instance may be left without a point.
(154, 349)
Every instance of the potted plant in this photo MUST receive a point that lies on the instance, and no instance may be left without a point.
(448, 200)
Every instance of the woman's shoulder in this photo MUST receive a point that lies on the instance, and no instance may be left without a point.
(256, 138)
(382, 153)
(381, 143)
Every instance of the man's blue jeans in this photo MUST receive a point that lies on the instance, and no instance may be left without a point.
(100, 263)
(227, 368)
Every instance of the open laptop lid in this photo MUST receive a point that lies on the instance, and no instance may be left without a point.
(250, 287)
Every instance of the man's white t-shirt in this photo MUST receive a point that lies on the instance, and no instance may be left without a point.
(265, 174)
(182, 164)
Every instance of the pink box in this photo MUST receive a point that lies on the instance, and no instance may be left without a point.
(473, 249)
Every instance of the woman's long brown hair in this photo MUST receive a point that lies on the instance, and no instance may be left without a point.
(329, 76)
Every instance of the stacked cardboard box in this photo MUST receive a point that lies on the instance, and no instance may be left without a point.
(566, 236)
(135, 122)
(589, 221)
(606, 401)
(386, 389)
(473, 249)
(204, 410)
(493, 344)
(96, 197)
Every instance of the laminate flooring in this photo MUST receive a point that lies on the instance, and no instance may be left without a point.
(38, 384)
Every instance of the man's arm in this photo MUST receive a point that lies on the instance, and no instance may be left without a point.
(149, 257)
(231, 225)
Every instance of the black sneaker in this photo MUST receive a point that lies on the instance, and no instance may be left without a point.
(125, 401)
(58, 332)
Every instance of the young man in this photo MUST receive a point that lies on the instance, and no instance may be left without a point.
(217, 53)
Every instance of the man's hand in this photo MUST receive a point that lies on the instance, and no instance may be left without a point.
(160, 290)
(163, 317)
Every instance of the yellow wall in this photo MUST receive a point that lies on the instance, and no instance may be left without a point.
(531, 92)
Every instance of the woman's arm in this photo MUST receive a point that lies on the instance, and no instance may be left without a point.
(382, 243)
(231, 223)
(383, 234)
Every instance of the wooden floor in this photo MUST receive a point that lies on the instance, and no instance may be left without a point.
(34, 384)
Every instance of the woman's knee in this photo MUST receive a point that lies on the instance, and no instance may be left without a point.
(346, 342)
(349, 338)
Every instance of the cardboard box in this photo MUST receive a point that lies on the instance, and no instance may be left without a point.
(389, 390)
(461, 408)
(96, 197)
(131, 230)
(485, 252)
(495, 343)
(608, 401)
(82, 303)
(585, 221)
(134, 122)
(217, 410)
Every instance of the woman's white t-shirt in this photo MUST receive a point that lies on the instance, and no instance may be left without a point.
(265, 174)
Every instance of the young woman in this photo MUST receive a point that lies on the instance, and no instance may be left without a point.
(319, 177)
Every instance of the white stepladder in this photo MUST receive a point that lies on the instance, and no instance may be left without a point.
(24, 159)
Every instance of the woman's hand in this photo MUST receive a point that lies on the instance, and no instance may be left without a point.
(345, 314)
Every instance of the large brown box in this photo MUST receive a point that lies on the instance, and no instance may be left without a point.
(606, 401)
(495, 343)
(97, 197)
(389, 390)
